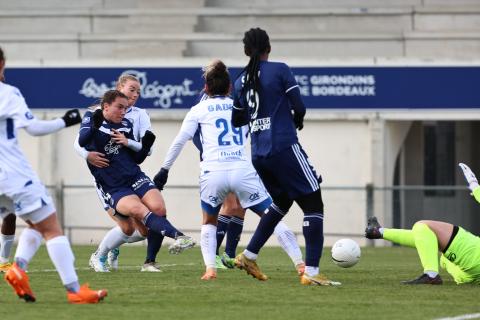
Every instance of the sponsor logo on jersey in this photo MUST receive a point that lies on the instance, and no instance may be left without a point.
(452, 257)
(18, 206)
(231, 155)
(112, 148)
(260, 124)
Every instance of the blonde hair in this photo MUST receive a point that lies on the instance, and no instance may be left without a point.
(124, 78)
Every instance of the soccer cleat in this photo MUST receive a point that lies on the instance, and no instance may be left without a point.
(250, 266)
(373, 229)
(425, 279)
(98, 263)
(300, 268)
(210, 274)
(227, 261)
(18, 279)
(181, 244)
(150, 267)
(86, 295)
(112, 259)
(5, 266)
(318, 280)
(218, 263)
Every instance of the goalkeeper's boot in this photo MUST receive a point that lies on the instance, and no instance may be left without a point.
(210, 274)
(250, 266)
(218, 263)
(86, 295)
(373, 229)
(112, 259)
(98, 263)
(5, 266)
(18, 279)
(318, 280)
(150, 267)
(300, 267)
(181, 244)
(227, 261)
(425, 279)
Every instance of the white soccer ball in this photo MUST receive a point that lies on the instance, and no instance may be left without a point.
(346, 253)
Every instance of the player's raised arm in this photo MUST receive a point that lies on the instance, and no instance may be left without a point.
(471, 180)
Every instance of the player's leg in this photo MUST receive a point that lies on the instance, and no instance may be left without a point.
(7, 237)
(114, 238)
(234, 229)
(223, 221)
(153, 199)
(208, 240)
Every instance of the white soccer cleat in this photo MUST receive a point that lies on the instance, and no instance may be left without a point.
(181, 244)
(98, 264)
(112, 259)
(150, 267)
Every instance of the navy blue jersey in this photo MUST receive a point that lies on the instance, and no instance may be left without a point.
(123, 167)
(271, 122)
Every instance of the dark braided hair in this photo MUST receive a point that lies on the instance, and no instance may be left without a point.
(2, 55)
(256, 43)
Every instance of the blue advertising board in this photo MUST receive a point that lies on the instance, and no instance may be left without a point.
(321, 87)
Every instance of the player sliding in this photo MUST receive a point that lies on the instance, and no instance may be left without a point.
(22, 192)
(459, 249)
(124, 186)
(224, 166)
(267, 97)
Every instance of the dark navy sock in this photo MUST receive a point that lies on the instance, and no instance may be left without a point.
(265, 228)
(161, 225)
(313, 233)
(222, 226)
(235, 228)
(154, 243)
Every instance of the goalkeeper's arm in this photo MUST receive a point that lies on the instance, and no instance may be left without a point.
(471, 180)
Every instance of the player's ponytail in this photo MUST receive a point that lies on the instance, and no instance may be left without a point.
(256, 43)
(2, 55)
(216, 78)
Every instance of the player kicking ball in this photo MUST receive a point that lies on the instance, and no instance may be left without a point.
(460, 249)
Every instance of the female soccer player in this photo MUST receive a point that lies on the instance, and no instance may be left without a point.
(460, 250)
(265, 96)
(22, 192)
(224, 167)
(128, 230)
(122, 183)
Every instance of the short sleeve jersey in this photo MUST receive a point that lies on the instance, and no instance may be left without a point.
(271, 125)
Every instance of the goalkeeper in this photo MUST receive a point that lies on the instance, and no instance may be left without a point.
(460, 249)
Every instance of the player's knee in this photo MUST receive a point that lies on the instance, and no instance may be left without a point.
(127, 228)
(283, 202)
(8, 224)
(311, 203)
(159, 210)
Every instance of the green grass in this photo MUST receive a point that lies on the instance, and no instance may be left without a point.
(370, 290)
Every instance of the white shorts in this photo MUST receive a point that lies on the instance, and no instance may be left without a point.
(244, 183)
(31, 203)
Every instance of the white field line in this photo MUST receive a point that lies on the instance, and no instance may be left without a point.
(462, 317)
(119, 268)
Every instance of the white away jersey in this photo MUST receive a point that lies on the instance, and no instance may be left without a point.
(140, 120)
(223, 146)
(15, 171)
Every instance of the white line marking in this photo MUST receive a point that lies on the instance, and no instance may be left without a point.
(119, 268)
(462, 317)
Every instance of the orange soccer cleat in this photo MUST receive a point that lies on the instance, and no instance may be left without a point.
(18, 279)
(210, 274)
(86, 295)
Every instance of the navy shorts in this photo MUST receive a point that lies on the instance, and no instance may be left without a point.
(287, 172)
(140, 186)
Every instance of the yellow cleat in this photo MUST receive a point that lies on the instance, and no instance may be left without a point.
(250, 266)
(318, 280)
(5, 266)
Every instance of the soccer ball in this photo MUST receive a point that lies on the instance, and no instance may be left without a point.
(346, 253)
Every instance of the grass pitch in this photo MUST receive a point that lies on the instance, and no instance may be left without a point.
(370, 290)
